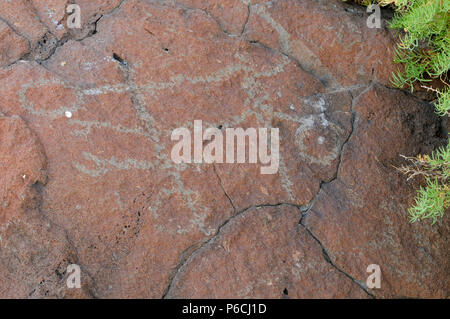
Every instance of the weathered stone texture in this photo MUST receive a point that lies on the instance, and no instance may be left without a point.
(99, 189)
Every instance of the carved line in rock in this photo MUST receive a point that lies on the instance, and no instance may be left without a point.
(133, 164)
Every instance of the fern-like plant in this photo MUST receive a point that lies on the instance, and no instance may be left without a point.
(434, 198)
(423, 50)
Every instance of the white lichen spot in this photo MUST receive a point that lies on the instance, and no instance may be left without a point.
(320, 105)
(324, 121)
(320, 140)
(68, 114)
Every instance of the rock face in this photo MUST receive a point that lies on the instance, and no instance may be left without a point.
(86, 118)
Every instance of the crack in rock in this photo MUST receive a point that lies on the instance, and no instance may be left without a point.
(328, 260)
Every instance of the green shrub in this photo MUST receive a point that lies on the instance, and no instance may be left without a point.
(423, 50)
(434, 198)
(443, 102)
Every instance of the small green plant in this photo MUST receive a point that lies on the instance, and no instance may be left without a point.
(443, 102)
(434, 198)
(431, 202)
(423, 50)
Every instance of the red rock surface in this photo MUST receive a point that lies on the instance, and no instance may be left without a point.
(99, 188)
